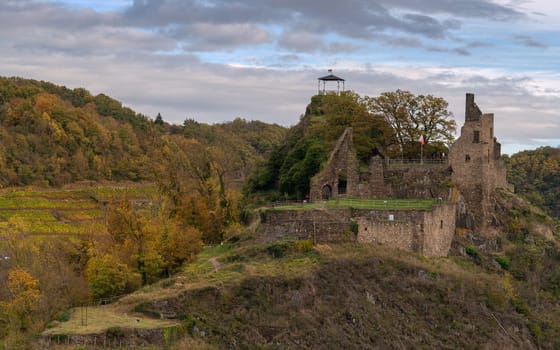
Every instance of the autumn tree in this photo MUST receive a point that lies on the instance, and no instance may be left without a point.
(411, 116)
(24, 295)
(536, 176)
(109, 277)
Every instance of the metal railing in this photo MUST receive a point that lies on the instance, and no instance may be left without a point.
(416, 162)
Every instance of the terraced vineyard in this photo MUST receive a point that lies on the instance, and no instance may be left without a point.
(73, 212)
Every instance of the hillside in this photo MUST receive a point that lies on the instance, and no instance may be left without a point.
(134, 232)
(536, 176)
(97, 200)
(293, 295)
(51, 135)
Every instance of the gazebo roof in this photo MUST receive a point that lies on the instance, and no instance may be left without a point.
(330, 77)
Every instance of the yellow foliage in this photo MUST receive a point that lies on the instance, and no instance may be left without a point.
(24, 289)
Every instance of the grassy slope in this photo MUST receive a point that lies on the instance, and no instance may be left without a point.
(292, 295)
(335, 296)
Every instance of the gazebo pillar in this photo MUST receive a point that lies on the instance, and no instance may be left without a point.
(328, 78)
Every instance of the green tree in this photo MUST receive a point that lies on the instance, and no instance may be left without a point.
(411, 116)
(292, 164)
(109, 277)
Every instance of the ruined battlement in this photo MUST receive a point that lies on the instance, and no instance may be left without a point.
(472, 112)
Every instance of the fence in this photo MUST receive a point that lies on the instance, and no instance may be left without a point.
(415, 162)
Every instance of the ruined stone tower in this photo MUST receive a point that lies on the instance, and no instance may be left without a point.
(477, 167)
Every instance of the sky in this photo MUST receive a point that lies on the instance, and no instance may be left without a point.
(216, 60)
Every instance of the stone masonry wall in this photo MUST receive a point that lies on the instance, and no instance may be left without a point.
(320, 226)
(439, 228)
(419, 182)
(429, 232)
(342, 162)
(401, 232)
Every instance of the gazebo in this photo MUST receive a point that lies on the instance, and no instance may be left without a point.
(330, 77)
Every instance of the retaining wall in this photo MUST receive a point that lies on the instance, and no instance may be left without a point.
(428, 232)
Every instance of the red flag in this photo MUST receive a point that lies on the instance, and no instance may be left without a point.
(422, 142)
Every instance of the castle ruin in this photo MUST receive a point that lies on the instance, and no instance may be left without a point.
(463, 183)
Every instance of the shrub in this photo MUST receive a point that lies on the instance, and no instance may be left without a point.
(188, 323)
(304, 246)
(472, 251)
(277, 250)
(63, 316)
(354, 227)
(503, 261)
(536, 331)
(521, 306)
(114, 333)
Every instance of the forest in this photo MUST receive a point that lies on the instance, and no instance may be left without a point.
(55, 137)
(200, 181)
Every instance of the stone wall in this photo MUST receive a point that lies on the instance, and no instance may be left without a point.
(320, 226)
(341, 165)
(372, 183)
(430, 181)
(401, 232)
(380, 181)
(439, 228)
(425, 231)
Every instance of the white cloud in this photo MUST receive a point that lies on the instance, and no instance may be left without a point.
(261, 59)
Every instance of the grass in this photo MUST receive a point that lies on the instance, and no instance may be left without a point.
(236, 264)
(101, 318)
(374, 204)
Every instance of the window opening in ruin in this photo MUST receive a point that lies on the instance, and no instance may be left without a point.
(441, 224)
(491, 133)
(326, 193)
(342, 184)
(476, 136)
(488, 152)
(467, 158)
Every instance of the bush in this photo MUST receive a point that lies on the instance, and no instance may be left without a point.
(63, 316)
(304, 246)
(536, 331)
(277, 250)
(472, 251)
(521, 306)
(354, 227)
(114, 333)
(503, 261)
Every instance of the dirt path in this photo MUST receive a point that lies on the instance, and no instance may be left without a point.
(215, 263)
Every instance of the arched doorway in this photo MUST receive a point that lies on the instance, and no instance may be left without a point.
(326, 192)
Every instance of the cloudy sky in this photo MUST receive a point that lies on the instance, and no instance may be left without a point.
(214, 60)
